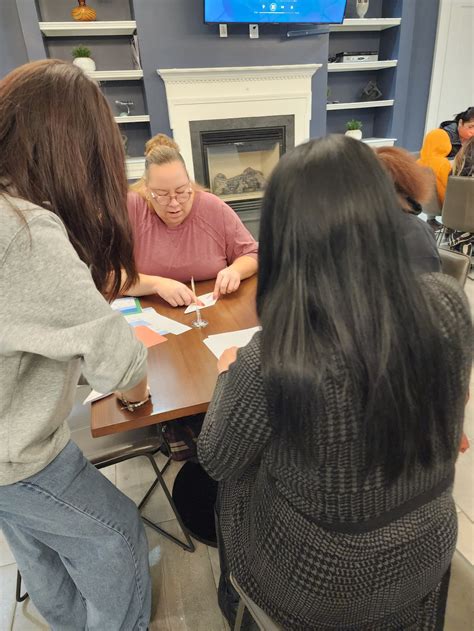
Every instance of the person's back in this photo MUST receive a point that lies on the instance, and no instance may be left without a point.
(414, 187)
(335, 432)
(63, 245)
(436, 147)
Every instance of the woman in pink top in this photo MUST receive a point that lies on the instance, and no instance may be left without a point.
(181, 232)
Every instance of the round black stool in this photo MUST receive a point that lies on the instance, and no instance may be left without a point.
(194, 494)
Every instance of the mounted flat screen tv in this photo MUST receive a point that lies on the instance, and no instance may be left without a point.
(284, 11)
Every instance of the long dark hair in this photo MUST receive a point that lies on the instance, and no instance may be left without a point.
(61, 149)
(335, 290)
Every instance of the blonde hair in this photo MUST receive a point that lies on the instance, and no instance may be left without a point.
(160, 140)
(465, 158)
(161, 149)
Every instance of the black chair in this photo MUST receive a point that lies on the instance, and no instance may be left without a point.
(264, 622)
(109, 450)
(458, 207)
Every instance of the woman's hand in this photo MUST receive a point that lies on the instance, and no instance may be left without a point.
(227, 358)
(175, 293)
(227, 281)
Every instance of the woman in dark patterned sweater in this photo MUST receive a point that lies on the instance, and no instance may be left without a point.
(334, 433)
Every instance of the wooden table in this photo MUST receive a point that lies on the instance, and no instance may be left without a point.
(182, 372)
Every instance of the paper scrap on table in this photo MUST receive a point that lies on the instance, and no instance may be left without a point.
(95, 396)
(217, 344)
(160, 323)
(208, 300)
(126, 306)
(148, 336)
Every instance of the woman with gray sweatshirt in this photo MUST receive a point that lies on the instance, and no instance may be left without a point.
(64, 239)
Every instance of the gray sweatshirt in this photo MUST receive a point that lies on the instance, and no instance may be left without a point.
(54, 325)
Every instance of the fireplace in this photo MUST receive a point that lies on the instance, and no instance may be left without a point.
(234, 158)
(219, 118)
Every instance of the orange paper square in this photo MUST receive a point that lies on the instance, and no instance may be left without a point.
(148, 337)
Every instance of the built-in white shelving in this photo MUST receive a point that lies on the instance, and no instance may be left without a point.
(82, 29)
(141, 118)
(360, 66)
(359, 105)
(116, 75)
(365, 24)
(380, 142)
(135, 168)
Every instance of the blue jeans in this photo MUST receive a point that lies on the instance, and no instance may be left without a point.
(80, 546)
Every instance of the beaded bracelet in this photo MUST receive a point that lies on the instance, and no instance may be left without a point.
(131, 406)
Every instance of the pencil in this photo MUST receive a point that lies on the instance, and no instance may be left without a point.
(198, 311)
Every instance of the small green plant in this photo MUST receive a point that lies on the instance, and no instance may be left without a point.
(353, 124)
(81, 51)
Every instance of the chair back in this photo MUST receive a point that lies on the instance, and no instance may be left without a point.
(433, 207)
(455, 264)
(458, 207)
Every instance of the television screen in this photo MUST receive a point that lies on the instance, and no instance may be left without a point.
(284, 11)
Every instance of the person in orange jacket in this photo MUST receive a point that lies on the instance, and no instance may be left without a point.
(436, 147)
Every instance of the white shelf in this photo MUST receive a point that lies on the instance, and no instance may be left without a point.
(115, 75)
(142, 118)
(369, 24)
(359, 105)
(380, 142)
(359, 66)
(81, 29)
(135, 168)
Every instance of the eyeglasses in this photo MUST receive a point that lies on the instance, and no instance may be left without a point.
(165, 200)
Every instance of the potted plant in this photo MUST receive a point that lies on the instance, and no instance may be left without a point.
(354, 129)
(82, 58)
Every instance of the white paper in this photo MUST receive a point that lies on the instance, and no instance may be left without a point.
(95, 396)
(161, 324)
(207, 299)
(217, 344)
(121, 304)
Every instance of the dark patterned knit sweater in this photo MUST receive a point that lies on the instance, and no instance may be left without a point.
(312, 544)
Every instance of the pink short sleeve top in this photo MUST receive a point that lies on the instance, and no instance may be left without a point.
(210, 238)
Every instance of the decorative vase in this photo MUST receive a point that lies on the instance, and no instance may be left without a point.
(354, 133)
(362, 6)
(83, 13)
(85, 63)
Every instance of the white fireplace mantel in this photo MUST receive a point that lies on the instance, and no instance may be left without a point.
(237, 92)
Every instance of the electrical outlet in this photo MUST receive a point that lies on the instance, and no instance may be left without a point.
(222, 30)
(253, 31)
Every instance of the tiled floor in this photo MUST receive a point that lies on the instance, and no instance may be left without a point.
(184, 584)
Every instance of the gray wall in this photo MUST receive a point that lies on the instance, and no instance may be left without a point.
(422, 53)
(172, 35)
(12, 45)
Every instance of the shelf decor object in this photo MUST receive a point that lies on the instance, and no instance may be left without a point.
(371, 92)
(124, 107)
(82, 59)
(362, 6)
(354, 129)
(83, 13)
